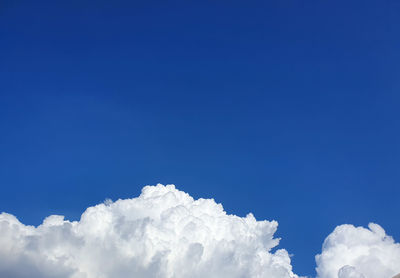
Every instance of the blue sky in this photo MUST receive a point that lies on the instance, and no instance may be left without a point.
(287, 109)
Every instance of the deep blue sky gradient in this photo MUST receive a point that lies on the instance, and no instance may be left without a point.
(288, 109)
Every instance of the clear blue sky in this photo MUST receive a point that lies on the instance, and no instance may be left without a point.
(288, 109)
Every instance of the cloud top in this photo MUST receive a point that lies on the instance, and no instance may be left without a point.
(165, 233)
(357, 252)
(162, 233)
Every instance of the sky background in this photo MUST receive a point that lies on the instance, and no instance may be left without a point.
(287, 109)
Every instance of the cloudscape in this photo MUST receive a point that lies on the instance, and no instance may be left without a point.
(168, 234)
(199, 139)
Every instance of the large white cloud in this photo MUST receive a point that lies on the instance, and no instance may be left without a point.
(357, 252)
(162, 233)
(165, 233)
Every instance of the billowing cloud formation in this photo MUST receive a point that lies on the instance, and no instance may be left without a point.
(357, 252)
(163, 233)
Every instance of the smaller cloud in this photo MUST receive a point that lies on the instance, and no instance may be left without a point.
(357, 252)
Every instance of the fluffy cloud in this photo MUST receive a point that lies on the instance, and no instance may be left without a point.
(357, 252)
(163, 233)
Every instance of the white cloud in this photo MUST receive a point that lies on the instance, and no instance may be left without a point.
(162, 233)
(165, 233)
(357, 252)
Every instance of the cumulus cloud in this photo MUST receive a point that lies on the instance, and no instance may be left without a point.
(162, 233)
(165, 233)
(357, 252)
